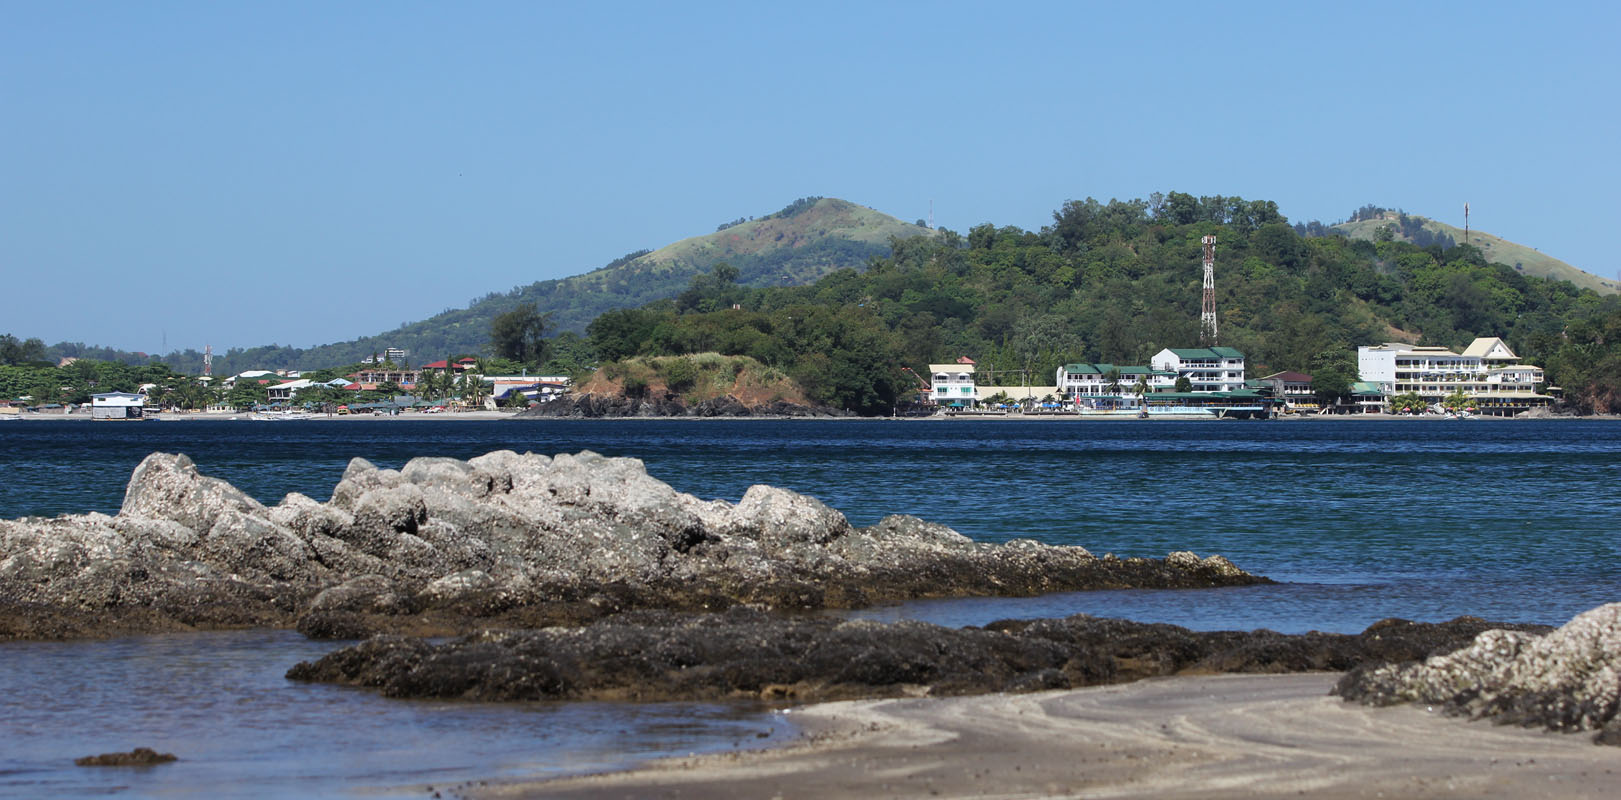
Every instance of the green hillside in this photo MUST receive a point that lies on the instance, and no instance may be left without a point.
(809, 238)
(1115, 283)
(1497, 250)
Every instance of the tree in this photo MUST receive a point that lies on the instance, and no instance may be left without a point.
(1112, 380)
(1184, 383)
(13, 351)
(520, 334)
(1140, 388)
(247, 394)
(1409, 401)
(1332, 373)
(473, 390)
(1458, 400)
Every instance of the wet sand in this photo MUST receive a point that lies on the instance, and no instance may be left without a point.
(1205, 737)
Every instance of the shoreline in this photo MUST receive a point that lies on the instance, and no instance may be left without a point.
(487, 416)
(1187, 736)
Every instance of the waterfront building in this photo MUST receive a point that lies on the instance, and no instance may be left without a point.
(953, 384)
(1209, 369)
(283, 392)
(1292, 389)
(116, 405)
(376, 376)
(1487, 371)
(1088, 383)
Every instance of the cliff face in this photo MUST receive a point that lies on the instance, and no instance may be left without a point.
(444, 545)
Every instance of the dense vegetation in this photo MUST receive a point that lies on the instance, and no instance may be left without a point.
(46, 384)
(1117, 281)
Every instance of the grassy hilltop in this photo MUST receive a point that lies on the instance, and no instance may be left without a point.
(809, 238)
(1497, 250)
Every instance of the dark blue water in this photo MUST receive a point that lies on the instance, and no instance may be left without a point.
(1361, 519)
(1424, 519)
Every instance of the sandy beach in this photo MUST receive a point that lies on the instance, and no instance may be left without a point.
(1206, 737)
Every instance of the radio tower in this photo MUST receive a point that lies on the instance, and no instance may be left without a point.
(1207, 313)
(208, 359)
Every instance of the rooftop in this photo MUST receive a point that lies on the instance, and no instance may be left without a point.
(1205, 352)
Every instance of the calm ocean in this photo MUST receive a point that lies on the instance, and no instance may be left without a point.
(1361, 520)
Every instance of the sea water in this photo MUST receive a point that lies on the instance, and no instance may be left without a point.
(1358, 519)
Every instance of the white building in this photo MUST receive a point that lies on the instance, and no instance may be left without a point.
(250, 376)
(953, 384)
(1487, 370)
(1209, 369)
(1079, 382)
(116, 405)
(286, 391)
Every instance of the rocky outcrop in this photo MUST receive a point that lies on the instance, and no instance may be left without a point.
(1568, 680)
(651, 656)
(593, 406)
(139, 757)
(503, 539)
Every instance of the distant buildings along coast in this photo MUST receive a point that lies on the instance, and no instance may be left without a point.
(1212, 382)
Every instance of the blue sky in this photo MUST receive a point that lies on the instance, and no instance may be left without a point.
(180, 174)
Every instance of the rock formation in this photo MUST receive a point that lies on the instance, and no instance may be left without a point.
(744, 653)
(1568, 680)
(504, 539)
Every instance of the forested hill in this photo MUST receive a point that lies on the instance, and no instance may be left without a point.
(798, 244)
(1375, 224)
(1115, 282)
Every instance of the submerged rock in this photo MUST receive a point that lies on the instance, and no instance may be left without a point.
(524, 540)
(745, 653)
(1567, 680)
(139, 757)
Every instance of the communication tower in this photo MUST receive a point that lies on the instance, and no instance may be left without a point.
(1207, 311)
(208, 359)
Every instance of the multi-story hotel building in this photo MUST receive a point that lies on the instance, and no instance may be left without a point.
(1487, 370)
(1209, 369)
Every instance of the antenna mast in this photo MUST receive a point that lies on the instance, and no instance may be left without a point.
(208, 359)
(1207, 313)
(931, 214)
(1465, 223)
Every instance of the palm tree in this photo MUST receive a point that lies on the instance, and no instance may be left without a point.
(473, 387)
(1141, 388)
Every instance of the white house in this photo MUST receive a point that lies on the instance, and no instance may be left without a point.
(116, 405)
(1487, 370)
(953, 384)
(1209, 369)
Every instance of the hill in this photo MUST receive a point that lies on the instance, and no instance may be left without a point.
(1115, 283)
(807, 239)
(804, 241)
(1497, 250)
